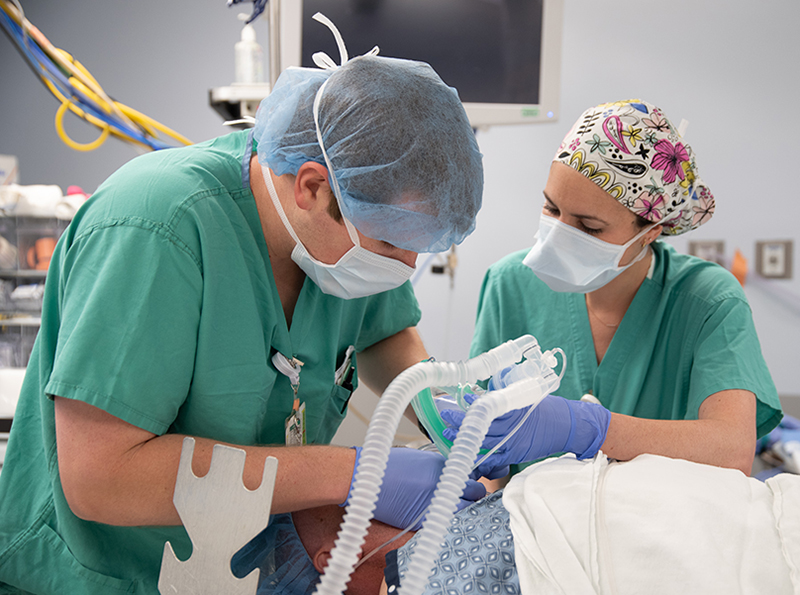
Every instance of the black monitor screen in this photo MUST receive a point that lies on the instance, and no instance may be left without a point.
(489, 50)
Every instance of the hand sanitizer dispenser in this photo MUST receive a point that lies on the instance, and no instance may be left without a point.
(249, 57)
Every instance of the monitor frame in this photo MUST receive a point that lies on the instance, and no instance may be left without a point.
(289, 15)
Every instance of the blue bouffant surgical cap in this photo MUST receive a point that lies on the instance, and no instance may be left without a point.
(401, 155)
(286, 568)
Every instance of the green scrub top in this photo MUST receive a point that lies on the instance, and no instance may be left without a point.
(687, 334)
(160, 308)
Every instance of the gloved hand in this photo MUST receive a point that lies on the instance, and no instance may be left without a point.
(555, 425)
(408, 485)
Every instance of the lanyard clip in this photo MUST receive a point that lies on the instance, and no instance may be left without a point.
(289, 368)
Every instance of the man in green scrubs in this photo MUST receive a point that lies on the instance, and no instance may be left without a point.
(194, 286)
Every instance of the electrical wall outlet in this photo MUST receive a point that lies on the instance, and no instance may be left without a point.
(9, 170)
(774, 259)
(713, 250)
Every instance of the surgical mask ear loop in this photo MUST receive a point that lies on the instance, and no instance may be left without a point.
(475, 466)
(630, 243)
(673, 215)
(325, 62)
(351, 230)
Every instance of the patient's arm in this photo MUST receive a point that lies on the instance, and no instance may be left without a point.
(723, 435)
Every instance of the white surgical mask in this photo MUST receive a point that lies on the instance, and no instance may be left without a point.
(358, 273)
(569, 260)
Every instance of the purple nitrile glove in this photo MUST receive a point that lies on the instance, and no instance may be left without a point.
(556, 425)
(408, 484)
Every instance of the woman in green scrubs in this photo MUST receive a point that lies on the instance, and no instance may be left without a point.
(664, 341)
(234, 291)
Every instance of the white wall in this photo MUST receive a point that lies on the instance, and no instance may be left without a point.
(729, 68)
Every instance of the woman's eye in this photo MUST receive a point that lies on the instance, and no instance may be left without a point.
(553, 211)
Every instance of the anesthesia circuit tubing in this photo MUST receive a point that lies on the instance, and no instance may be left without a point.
(377, 444)
(476, 465)
(525, 392)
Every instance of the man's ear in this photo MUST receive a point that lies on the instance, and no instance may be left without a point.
(311, 186)
(321, 558)
(323, 555)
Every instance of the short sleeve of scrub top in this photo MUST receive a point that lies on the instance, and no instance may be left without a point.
(130, 322)
(688, 334)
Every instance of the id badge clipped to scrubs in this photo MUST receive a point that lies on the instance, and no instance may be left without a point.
(295, 426)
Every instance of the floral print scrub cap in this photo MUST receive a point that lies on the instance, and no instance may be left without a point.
(632, 151)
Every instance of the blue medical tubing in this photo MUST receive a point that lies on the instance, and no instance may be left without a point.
(44, 67)
(378, 442)
(33, 54)
(36, 58)
(258, 8)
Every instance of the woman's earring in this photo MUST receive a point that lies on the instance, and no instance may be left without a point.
(644, 243)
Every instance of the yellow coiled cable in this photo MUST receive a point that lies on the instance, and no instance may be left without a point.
(83, 82)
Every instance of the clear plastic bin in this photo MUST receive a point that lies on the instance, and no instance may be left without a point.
(36, 240)
(8, 244)
(27, 296)
(17, 336)
(26, 247)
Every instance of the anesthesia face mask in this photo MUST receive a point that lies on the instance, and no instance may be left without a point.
(429, 403)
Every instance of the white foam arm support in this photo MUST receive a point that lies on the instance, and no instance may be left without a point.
(220, 515)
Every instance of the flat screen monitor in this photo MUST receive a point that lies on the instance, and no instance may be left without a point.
(503, 56)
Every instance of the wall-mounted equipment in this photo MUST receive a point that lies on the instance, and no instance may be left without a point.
(774, 259)
(503, 57)
(711, 250)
